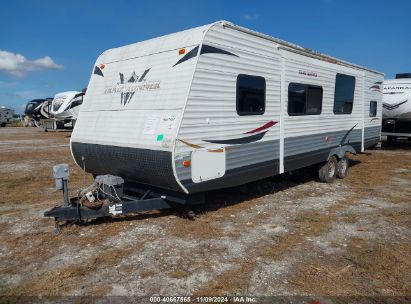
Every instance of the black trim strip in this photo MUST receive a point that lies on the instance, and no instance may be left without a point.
(188, 56)
(205, 49)
(208, 49)
(237, 141)
(98, 71)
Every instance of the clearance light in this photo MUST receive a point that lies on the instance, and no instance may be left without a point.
(102, 66)
(186, 163)
(181, 51)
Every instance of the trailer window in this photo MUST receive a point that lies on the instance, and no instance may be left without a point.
(250, 95)
(344, 94)
(373, 108)
(304, 99)
(76, 102)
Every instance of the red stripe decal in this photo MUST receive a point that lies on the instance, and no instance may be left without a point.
(263, 127)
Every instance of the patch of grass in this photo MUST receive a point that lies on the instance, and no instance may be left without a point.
(146, 274)
(398, 217)
(202, 228)
(235, 281)
(349, 217)
(366, 268)
(308, 217)
(16, 123)
(179, 274)
(59, 281)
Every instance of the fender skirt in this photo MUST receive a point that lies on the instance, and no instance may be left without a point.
(341, 150)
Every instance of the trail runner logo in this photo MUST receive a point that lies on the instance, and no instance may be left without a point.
(128, 86)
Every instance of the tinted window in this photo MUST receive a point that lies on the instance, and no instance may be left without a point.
(29, 107)
(344, 94)
(77, 101)
(304, 99)
(250, 95)
(373, 108)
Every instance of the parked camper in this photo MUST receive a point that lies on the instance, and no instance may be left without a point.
(6, 116)
(214, 107)
(66, 106)
(36, 111)
(396, 110)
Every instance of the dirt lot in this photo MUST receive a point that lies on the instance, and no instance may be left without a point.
(282, 236)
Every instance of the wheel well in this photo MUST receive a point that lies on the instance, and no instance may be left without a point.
(340, 152)
(336, 156)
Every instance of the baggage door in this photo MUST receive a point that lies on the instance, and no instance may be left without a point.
(207, 164)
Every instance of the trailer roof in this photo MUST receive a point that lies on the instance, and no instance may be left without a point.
(159, 44)
(296, 48)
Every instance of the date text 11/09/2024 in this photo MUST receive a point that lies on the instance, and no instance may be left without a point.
(202, 299)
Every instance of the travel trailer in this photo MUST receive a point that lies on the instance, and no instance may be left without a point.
(396, 107)
(6, 116)
(167, 119)
(66, 106)
(36, 111)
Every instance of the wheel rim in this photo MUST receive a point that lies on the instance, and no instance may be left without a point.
(331, 169)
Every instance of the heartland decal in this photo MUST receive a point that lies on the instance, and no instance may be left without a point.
(128, 86)
(307, 73)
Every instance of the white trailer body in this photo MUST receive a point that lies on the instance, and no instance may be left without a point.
(396, 112)
(66, 105)
(218, 106)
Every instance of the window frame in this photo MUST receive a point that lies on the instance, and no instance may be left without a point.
(307, 86)
(374, 114)
(238, 96)
(353, 95)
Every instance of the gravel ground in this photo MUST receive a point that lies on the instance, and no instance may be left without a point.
(280, 236)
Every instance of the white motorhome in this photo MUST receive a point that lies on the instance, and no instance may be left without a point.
(221, 105)
(6, 116)
(396, 112)
(66, 106)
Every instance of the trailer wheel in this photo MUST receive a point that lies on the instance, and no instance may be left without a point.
(342, 167)
(328, 171)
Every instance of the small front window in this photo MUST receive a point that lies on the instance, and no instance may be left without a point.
(373, 108)
(250, 95)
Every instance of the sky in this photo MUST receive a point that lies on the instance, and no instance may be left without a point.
(50, 46)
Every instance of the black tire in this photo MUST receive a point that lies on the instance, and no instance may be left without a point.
(328, 171)
(342, 167)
